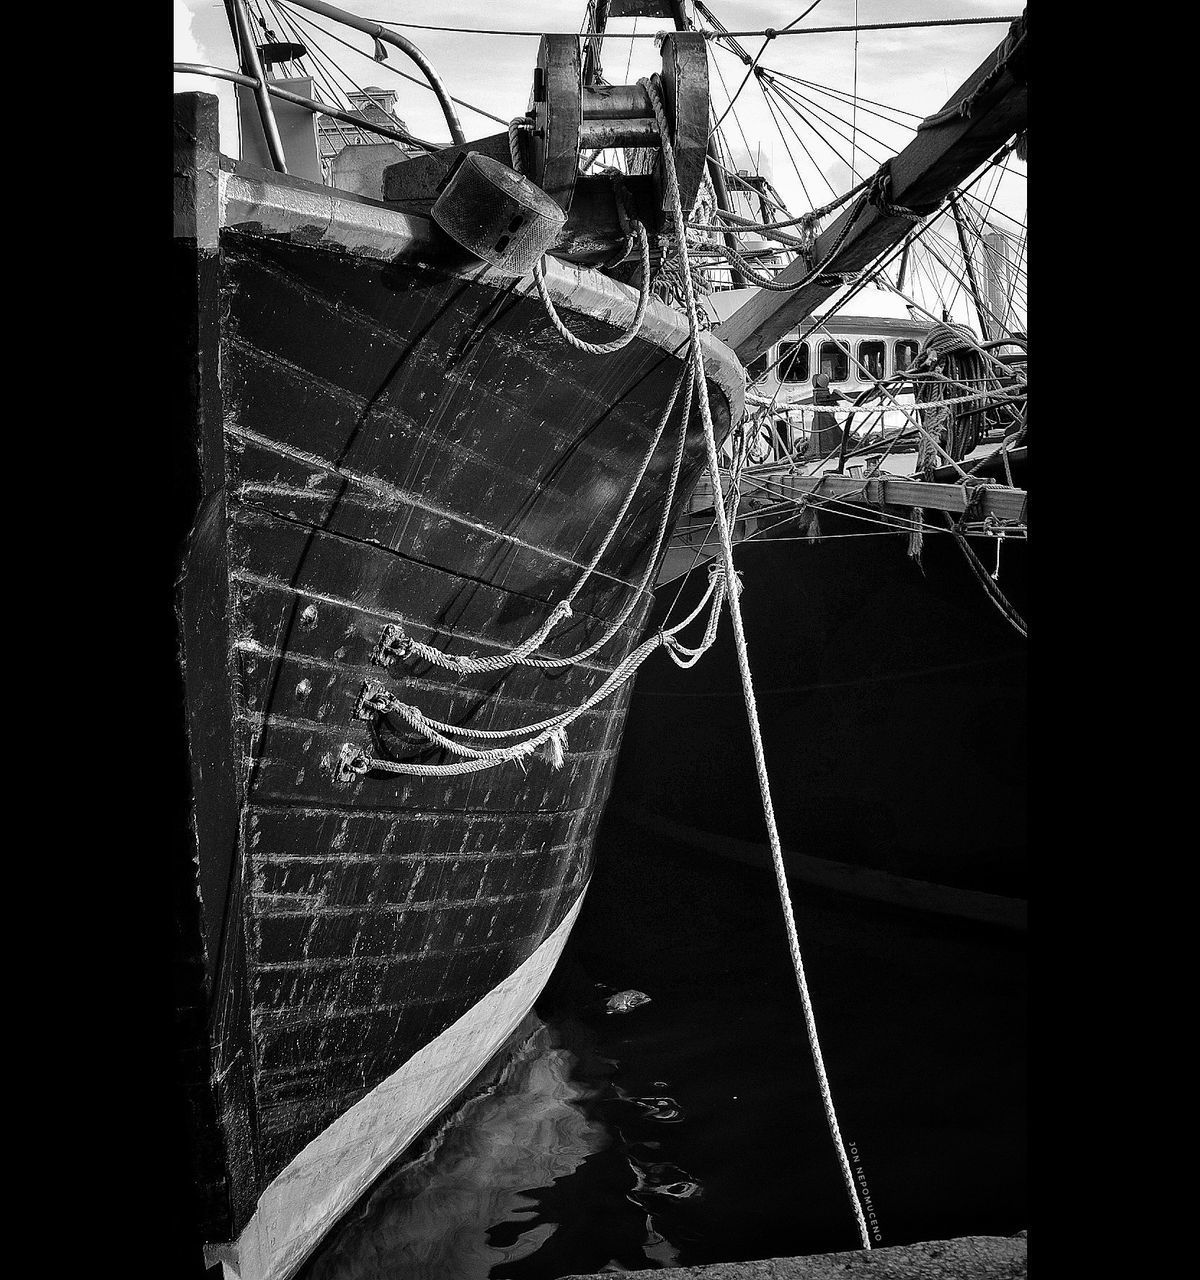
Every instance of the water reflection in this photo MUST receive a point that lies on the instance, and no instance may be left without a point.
(488, 1193)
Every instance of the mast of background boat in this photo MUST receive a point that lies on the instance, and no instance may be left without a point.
(251, 65)
(980, 311)
(383, 35)
(984, 113)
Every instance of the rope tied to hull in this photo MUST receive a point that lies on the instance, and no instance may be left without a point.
(735, 615)
(355, 761)
(394, 645)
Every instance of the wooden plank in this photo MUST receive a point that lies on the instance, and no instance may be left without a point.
(1004, 503)
(938, 159)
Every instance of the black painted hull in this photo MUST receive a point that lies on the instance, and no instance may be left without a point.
(893, 710)
(386, 439)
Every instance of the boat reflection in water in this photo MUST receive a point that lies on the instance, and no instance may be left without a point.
(472, 1202)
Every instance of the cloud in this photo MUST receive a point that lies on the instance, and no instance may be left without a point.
(188, 48)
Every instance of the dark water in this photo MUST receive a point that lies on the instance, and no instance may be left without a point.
(689, 1129)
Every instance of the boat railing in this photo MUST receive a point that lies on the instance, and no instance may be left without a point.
(309, 104)
(253, 76)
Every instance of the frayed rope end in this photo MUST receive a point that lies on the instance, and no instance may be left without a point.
(554, 746)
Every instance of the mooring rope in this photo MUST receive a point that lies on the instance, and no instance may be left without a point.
(739, 635)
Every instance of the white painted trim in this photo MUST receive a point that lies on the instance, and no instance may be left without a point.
(338, 1166)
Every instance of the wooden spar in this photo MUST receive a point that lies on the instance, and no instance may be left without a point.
(984, 327)
(1003, 503)
(942, 155)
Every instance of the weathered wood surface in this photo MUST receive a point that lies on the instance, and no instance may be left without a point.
(923, 173)
(764, 489)
(404, 444)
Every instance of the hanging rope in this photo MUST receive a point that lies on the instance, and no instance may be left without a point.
(539, 270)
(997, 597)
(355, 761)
(735, 615)
(406, 647)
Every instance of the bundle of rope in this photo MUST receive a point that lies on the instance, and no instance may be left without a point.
(952, 351)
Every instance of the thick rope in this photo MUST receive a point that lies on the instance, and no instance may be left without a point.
(739, 635)
(997, 597)
(355, 761)
(539, 272)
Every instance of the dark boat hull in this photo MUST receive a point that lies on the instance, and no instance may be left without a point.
(387, 437)
(892, 704)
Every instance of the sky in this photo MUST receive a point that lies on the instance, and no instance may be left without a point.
(912, 70)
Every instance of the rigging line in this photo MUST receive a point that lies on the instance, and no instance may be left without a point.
(787, 149)
(344, 73)
(973, 213)
(854, 108)
(324, 77)
(795, 95)
(1016, 270)
(719, 36)
(320, 75)
(886, 520)
(787, 101)
(960, 283)
(841, 93)
(990, 254)
(829, 112)
(788, 93)
(804, 148)
(732, 173)
(909, 130)
(423, 84)
(874, 270)
(826, 112)
(713, 129)
(807, 11)
(741, 86)
(783, 31)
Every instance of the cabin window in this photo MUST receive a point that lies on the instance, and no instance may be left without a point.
(793, 362)
(870, 357)
(759, 365)
(906, 353)
(835, 361)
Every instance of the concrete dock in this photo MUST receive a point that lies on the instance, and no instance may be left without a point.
(967, 1258)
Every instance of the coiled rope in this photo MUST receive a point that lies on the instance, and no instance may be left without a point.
(539, 269)
(739, 635)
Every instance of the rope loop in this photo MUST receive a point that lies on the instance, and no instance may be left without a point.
(539, 271)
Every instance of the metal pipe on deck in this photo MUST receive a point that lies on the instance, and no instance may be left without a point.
(382, 33)
(249, 59)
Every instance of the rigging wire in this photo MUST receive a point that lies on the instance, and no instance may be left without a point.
(424, 84)
(770, 32)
